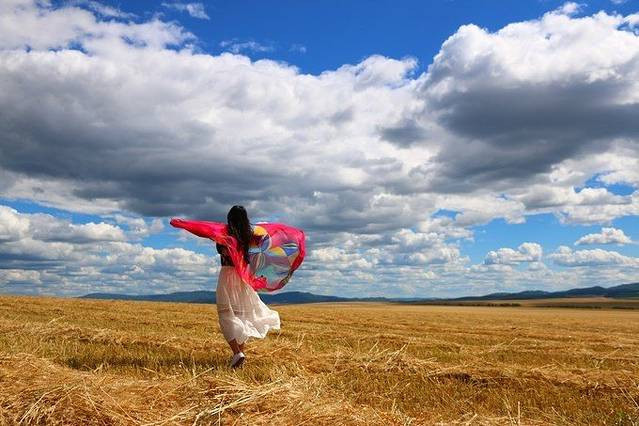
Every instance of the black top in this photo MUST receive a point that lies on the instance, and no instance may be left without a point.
(225, 259)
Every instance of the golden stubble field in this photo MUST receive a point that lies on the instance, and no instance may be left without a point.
(66, 361)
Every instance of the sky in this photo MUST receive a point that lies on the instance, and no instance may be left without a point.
(428, 149)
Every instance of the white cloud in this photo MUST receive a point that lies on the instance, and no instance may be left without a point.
(435, 255)
(195, 10)
(315, 120)
(505, 95)
(103, 9)
(341, 259)
(478, 210)
(19, 277)
(44, 227)
(606, 236)
(564, 256)
(139, 227)
(40, 27)
(526, 252)
(237, 46)
(48, 255)
(586, 206)
(600, 214)
(409, 239)
(622, 168)
(12, 225)
(570, 8)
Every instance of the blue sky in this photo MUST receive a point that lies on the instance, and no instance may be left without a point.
(437, 148)
(334, 33)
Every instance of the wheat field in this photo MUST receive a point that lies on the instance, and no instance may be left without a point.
(67, 361)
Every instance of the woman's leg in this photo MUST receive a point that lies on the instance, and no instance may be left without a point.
(241, 347)
(235, 347)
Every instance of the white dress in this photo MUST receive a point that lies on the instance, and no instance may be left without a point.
(241, 312)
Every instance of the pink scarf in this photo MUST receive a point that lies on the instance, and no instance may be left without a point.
(279, 235)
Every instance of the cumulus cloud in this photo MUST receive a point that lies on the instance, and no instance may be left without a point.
(525, 98)
(142, 140)
(565, 256)
(436, 255)
(577, 206)
(39, 27)
(569, 8)
(179, 158)
(526, 252)
(139, 227)
(42, 254)
(606, 236)
(604, 213)
(15, 226)
(540, 197)
(623, 168)
(342, 259)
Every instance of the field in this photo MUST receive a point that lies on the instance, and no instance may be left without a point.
(68, 361)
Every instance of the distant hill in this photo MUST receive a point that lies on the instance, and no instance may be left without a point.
(182, 296)
(291, 297)
(619, 291)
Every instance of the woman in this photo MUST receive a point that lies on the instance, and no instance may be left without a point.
(241, 313)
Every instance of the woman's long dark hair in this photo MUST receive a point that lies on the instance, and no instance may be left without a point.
(240, 227)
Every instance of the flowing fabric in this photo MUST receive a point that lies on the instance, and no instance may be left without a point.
(275, 252)
(241, 313)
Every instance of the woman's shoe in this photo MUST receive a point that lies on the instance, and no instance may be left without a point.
(237, 360)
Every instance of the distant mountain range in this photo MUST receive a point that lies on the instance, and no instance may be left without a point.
(288, 297)
(616, 292)
(292, 297)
